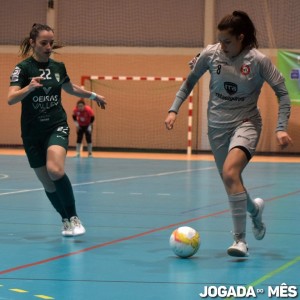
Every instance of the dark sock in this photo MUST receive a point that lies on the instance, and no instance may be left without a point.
(65, 191)
(56, 203)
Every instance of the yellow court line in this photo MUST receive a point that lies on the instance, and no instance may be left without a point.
(24, 291)
(271, 274)
(275, 272)
(18, 291)
(43, 297)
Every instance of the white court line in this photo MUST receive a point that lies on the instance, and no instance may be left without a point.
(3, 176)
(114, 180)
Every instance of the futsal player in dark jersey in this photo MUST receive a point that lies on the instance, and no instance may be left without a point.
(37, 83)
(237, 71)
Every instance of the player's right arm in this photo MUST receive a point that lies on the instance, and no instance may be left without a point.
(17, 94)
(199, 65)
(192, 63)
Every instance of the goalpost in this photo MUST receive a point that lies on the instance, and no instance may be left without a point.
(93, 79)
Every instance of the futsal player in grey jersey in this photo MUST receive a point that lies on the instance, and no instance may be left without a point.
(238, 71)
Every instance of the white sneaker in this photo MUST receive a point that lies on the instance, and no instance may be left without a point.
(77, 227)
(238, 249)
(259, 228)
(66, 228)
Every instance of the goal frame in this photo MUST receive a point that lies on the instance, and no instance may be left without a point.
(152, 78)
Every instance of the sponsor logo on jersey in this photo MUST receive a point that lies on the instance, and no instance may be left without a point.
(230, 87)
(47, 90)
(245, 69)
(228, 98)
(57, 77)
(15, 74)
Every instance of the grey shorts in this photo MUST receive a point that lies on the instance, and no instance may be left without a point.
(222, 140)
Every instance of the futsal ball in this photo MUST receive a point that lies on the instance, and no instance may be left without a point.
(185, 241)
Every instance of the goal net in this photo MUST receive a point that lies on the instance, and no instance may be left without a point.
(136, 109)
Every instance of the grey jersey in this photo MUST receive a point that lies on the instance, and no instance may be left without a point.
(235, 86)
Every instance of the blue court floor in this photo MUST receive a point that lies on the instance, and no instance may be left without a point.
(129, 208)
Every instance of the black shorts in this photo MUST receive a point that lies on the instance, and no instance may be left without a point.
(36, 147)
(83, 130)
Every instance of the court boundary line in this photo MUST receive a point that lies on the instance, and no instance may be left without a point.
(116, 179)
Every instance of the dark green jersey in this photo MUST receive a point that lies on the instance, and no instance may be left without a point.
(42, 110)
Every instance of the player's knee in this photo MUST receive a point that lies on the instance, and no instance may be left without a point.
(229, 177)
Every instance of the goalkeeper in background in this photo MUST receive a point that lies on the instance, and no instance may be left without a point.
(83, 116)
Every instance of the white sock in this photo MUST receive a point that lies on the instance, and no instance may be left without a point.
(251, 207)
(78, 148)
(90, 148)
(238, 205)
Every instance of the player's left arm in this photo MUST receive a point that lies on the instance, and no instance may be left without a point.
(284, 111)
(77, 91)
(276, 81)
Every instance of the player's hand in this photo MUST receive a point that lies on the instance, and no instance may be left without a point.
(170, 120)
(283, 139)
(89, 129)
(35, 82)
(100, 101)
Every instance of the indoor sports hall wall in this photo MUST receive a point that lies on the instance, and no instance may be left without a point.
(142, 38)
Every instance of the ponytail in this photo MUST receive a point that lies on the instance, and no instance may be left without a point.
(240, 23)
(25, 46)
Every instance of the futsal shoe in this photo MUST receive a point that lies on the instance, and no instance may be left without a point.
(77, 227)
(238, 249)
(66, 228)
(259, 228)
